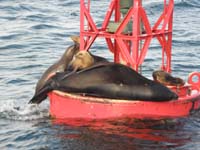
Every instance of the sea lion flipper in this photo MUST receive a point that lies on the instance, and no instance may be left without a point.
(41, 95)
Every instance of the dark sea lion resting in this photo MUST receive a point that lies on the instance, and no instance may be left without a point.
(167, 79)
(60, 65)
(108, 80)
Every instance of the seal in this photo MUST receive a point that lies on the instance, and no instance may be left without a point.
(60, 65)
(167, 79)
(110, 80)
(84, 59)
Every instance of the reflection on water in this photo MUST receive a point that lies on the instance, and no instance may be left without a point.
(124, 133)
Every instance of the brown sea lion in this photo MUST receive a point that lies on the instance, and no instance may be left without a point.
(80, 61)
(109, 80)
(60, 65)
(84, 59)
(167, 79)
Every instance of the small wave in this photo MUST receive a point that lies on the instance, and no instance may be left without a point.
(27, 112)
(28, 67)
(11, 36)
(38, 17)
(189, 3)
(68, 3)
(26, 7)
(74, 14)
(9, 8)
(42, 26)
(18, 80)
(13, 46)
(8, 18)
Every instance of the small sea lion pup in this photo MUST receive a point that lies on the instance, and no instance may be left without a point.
(84, 59)
(167, 79)
(60, 65)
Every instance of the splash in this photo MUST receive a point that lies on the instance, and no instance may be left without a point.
(9, 110)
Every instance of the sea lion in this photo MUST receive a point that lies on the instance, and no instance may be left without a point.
(81, 60)
(167, 79)
(84, 59)
(60, 65)
(108, 80)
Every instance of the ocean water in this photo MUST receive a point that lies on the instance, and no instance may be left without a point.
(34, 34)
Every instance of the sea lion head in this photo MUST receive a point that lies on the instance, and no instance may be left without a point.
(167, 79)
(160, 75)
(75, 39)
(70, 52)
(81, 60)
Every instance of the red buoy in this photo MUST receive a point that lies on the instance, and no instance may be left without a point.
(128, 37)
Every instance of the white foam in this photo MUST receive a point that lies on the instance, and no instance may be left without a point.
(10, 110)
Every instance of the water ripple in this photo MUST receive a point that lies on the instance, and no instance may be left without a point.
(13, 46)
(43, 26)
(189, 3)
(10, 111)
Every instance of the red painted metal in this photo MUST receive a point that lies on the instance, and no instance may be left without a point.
(191, 80)
(133, 54)
(66, 105)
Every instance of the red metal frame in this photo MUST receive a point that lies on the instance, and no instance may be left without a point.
(127, 46)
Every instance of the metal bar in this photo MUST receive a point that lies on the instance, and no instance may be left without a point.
(126, 37)
(108, 14)
(89, 19)
(125, 51)
(145, 21)
(82, 42)
(125, 21)
(136, 33)
(144, 50)
(168, 15)
(90, 42)
(169, 43)
(161, 41)
(110, 44)
(117, 11)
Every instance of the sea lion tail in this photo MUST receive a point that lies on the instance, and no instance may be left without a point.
(41, 95)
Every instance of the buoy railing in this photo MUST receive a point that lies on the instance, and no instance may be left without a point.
(129, 34)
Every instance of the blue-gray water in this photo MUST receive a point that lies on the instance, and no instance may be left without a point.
(34, 34)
